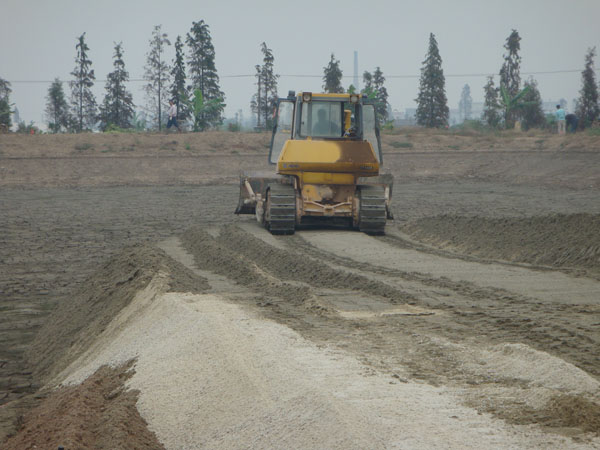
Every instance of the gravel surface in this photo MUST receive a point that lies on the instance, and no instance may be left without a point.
(213, 375)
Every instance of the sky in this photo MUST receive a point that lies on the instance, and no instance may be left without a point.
(39, 40)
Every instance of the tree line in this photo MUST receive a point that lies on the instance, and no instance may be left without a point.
(195, 90)
(192, 82)
(505, 104)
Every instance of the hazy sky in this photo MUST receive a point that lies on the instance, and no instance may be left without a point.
(38, 42)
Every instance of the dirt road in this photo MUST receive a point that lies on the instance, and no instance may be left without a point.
(474, 322)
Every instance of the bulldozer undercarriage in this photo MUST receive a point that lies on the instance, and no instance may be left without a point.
(280, 209)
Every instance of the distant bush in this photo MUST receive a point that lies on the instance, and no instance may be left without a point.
(389, 125)
(550, 124)
(112, 128)
(28, 128)
(232, 126)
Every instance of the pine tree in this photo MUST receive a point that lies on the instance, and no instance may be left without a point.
(465, 104)
(432, 104)
(83, 102)
(381, 96)
(5, 90)
(510, 73)
(588, 108)
(117, 108)
(203, 74)
(157, 74)
(269, 82)
(491, 106)
(367, 81)
(178, 91)
(532, 112)
(332, 77)
(57, 109)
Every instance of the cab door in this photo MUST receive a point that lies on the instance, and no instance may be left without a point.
(371, 131)
(282, 129)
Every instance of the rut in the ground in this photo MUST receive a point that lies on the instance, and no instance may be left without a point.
(287, 276)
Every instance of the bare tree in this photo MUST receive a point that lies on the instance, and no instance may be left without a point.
(157, 73)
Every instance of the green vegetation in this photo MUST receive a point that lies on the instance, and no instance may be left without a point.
(332, 77)
(532, 113)
(588, 108)
(510, 78)
(117, 107)
(157, 75)
(202, 110)
(263, 103)
(513, 104)
(5, 90)
(179, 91)
(491, 105)
(374, 89)
(83, 102)
(28, 128)
(57, 110)
(203, 74)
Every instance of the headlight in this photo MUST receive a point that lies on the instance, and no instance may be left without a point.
(306, 97)
(354, 98)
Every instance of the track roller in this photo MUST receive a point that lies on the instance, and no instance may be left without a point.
(280, 209)
(372, 212)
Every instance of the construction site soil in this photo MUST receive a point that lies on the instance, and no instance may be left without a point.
(136, 311)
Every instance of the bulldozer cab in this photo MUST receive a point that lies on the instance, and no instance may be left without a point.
(324, 117)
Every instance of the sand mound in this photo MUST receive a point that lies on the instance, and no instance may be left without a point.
(78, 320)
(99, 413)
(560, 240)
(212, 374)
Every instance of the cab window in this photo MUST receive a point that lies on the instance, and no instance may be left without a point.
(321, 119)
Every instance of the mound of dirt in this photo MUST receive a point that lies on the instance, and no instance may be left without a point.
(99, 413)
(564, 241)
(77, 321)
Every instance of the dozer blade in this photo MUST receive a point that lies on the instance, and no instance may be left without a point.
(251, 185)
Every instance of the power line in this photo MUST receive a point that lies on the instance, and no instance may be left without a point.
(453, 75)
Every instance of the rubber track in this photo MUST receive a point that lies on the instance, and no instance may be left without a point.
(372, 214)
(282, 209)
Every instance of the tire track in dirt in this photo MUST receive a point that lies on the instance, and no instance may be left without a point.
(430, 348)
(569, 331)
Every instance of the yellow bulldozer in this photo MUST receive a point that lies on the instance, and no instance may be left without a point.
(327, 153)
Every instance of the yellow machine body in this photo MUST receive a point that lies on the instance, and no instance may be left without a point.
(326, 174)
(325, 171)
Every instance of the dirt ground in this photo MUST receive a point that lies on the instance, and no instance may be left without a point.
(484, 294)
